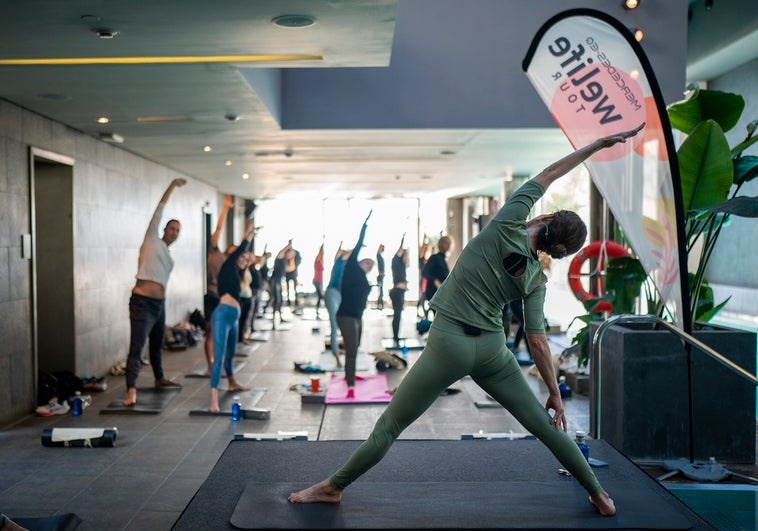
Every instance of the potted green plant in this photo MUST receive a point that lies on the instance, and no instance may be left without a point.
(712, 175)
(653, 394)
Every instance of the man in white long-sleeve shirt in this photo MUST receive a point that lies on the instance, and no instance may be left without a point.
(147, 314)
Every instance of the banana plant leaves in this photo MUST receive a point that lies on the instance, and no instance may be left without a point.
(705, 167)
(723, 107)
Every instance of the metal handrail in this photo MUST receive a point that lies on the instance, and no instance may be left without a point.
(596, 354)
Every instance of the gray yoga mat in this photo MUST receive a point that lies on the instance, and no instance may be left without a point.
(150, 401)
(249, 400)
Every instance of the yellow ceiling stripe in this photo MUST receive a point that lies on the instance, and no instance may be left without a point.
(160, 60)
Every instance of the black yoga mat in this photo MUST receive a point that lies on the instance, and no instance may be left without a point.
(80, 437)
(150, 401)
(472, 484)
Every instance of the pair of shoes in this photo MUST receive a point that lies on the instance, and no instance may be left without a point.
(308, 367)
(53, 408)
(165, 382)
(350, 393)
(389, 359)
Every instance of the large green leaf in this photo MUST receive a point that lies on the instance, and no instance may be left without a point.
(742, 206)
(724, 108)
(745, 169)
(705, 167)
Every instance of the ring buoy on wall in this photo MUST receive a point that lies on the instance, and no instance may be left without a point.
(602, 251)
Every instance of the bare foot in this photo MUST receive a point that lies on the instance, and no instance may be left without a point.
(131, 397)
(235, 386)
(321, 492)
(604, 504)
(214, 408)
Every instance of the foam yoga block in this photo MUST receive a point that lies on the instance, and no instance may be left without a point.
(80, 437)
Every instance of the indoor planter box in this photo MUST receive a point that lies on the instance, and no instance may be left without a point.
(644, 411)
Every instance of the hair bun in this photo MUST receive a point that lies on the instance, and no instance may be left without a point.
(558, 250)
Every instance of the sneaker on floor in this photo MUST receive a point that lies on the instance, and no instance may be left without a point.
(53, 408)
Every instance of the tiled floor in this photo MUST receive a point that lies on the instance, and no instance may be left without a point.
(160, 461)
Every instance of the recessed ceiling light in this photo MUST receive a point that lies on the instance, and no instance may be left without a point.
(207, 149)
(105, 33)
(631, 4)
(294, 21)
(227, 163)
(639, 35)
(245, 175)
(103, 120)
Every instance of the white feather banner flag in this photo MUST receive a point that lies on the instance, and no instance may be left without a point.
(596, 81)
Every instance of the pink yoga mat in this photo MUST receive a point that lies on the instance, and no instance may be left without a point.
(369, 389)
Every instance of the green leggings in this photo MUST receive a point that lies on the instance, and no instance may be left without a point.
(449, 356)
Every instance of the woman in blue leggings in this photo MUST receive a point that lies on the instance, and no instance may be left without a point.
(467, 338)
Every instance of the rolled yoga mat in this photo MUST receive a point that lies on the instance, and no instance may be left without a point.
(80, 437)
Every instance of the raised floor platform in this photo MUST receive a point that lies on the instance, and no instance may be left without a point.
(429, 484)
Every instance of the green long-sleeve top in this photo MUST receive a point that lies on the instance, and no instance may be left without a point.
(478, 287)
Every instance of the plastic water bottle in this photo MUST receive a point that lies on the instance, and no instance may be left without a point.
(76, 404)
(237, 409)
(581, 442)
(404, 350)
(563, 387)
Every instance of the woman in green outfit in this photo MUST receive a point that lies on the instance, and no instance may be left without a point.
(467, 337)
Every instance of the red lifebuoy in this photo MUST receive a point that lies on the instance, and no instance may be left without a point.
(594, 249)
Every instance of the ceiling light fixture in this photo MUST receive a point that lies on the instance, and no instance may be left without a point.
(207, 149)
(631, 4)
(245, 175)
(161, 60)
(293, 21)
(639, 35)
(227, 163)
(103, 120)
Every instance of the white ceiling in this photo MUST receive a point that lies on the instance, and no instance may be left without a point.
(409, 96)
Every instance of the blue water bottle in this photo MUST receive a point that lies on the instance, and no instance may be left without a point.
(563, 387)
(404, 350)
(76, 404)
(581, 442)
(237, 409)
